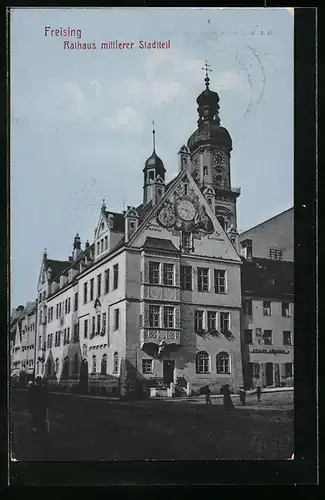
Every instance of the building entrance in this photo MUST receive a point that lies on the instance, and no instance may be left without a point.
(168, 371)
(269, 374)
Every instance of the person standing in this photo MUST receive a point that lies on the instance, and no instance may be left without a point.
(207, 396)
(258, 393)
(242, 396)
(227, 401)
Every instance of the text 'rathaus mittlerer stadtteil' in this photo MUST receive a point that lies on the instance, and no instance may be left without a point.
(70, 33)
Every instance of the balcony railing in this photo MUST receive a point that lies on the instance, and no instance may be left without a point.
(156, 336)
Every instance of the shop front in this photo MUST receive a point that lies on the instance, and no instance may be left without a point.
(269, 367)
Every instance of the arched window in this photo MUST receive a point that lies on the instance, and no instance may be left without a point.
(223, 362)
(205, 170)
(115, 362)
(103, 369)
(94, 363)
(57, 365)
(151, 175)
(76, 363)
(202, 362)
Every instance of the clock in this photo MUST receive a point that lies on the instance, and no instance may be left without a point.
(186, 210)
(166, 217)
(219, 158)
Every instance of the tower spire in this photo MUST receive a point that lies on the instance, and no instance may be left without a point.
(153, 136)
(206, 69)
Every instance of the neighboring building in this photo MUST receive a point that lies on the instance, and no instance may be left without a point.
(267, 322)
(22, 340)
(272, 239)
(156, 298)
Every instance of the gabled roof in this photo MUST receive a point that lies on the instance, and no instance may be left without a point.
(159, 244)
(266, 221)
(267, 278)
(57, 266)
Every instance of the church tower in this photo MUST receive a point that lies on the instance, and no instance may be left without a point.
(154, 176)
(210, 149)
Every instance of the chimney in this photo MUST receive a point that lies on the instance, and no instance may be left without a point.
(70, 258)
(247, 249)
(87, 244)
(76, 247)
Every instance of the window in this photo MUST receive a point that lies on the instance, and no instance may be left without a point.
(186, 240)
(39, 342)
(267, 337)
(203, 279)
(85, 328)
(185, 187)
(49, 340)
(49, 316)
(94, 364)
(76, 301)
(286, 309)
(57, 311)
(223, 362)
(93, 329)
(186, 278)
(104, 323)
(115, 272)
(266, 308)
(275, 253)
(98, 247)
(69, 305)
(107, 281)
(98, 324)
(99, 285)
(147, 366)
(65, 306)
(169, 317)
(154, 316)
(91, 289)
(115, 362)
(60, 309)
(101, 245)
(76, 333)
(103, 365)
(248, 307)
(212, 320)
(56, 366)
(198, 321)
(248, 336)
(85, 292)
(255, 370)
(106, 242)
(154, 268)
(205, 170)
(202, 362)
(168, 274)
(117, 319)
(288, 372)
(219, 281)
(224, 321)
(287, 338)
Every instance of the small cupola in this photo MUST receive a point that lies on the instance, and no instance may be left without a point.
(131, 222)
(76, 247)
(183, 158)
(154, 169)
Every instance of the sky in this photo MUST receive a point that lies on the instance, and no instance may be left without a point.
(81, 120)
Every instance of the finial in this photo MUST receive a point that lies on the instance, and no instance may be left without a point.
(103, 204)
(153, 135)
(206, 69)
(45, 253)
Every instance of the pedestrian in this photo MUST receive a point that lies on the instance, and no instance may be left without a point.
(207, 396)
(227, 401)
(258, 392)
(242, 396)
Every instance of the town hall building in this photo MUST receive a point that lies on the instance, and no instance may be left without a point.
(155, 299)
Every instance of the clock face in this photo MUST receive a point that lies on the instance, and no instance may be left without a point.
(219, 158)
(166, 217)
(186, 210)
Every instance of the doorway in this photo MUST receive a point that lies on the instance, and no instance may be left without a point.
(277, 375)
(269, 373)
(168, 371)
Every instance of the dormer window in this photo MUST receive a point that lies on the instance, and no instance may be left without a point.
(106, 242)
(132, 225)
(102, 225)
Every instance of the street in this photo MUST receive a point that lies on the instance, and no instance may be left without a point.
(84, 428)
